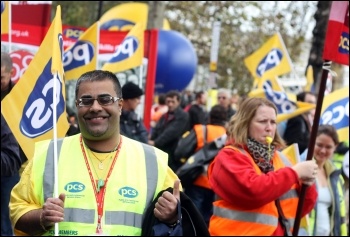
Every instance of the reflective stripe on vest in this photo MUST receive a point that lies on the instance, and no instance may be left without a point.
(246, 217)
(111, 217)
(260, 215)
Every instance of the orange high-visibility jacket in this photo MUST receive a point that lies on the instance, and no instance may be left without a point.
(213, 132)
(230, 219)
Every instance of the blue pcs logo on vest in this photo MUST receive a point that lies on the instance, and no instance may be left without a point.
(271, 60)
(128, 192)
(125, 50)
(74, 187)
(79, 55)
(37, 115)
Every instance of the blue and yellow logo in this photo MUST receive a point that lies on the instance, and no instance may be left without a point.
(271, 60)
(79, 55)
(37, 115)
(125, 50)
(337, 114)
(344, 43)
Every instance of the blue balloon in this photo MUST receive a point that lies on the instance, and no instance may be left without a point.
(176, 63)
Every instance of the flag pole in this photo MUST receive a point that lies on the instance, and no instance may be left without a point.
(326, 69)
(97, 43)
(55, 143)
(10, 26)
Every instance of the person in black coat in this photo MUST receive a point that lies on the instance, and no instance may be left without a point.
(298, 128)
(170, 128)
(197, 111)
(12, 156)
(131, 125)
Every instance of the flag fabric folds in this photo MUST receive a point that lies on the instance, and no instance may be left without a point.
(336, 45)
(28, 108)
(274, 82)
(270, 60)
(286, 103)
(309, 79)
(335, 111)
(5, 17)
(129, 53)
(82, 55)
(292, 152)
(57, 44)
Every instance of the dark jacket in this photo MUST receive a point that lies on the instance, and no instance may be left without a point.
(230, 113)
(3, 94)
(168, 132)
(10, 157)
(197, 115)
(192, 223)
(132, 127)
(297, 131)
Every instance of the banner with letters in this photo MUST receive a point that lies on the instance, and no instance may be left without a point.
(270, 60)
(336, 45)
(335, 111)
(130, 52)
(82, 55)
(286, 104)
(28, 109)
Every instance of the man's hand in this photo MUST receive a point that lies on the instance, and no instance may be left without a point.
(53, 211)
(166, 206)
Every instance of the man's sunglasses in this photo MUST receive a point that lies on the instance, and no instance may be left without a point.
(102, 100)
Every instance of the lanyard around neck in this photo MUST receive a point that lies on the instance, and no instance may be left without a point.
(99, 196)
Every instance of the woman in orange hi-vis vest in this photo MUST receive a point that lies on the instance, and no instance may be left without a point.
(257, 187)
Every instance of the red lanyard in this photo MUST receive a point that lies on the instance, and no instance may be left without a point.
(100, 196)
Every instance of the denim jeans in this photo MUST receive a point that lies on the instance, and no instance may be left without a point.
(7, 183)
(203, 199)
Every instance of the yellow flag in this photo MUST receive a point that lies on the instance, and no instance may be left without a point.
(129, 53)
(309, 78)
(274, 83)
(57, 44)
(28, 108)
(82, 55)
(287, 107)
(292, 152)
(270, 60)
(335, 111)
(5, 17)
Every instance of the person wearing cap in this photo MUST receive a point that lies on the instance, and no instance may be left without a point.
(130, 124)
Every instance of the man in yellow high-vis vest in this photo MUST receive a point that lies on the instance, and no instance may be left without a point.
(104, 181)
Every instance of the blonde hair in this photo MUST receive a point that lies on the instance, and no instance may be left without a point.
(238, 126)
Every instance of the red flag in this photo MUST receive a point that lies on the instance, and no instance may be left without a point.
(336, 46)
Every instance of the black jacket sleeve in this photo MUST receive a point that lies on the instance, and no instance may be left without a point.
(173, 132)
(297, 132)
(10, 158)
(191, 223)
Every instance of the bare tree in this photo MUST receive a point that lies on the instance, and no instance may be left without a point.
(315, 59)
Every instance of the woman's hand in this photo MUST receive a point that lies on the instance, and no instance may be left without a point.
(306, 170)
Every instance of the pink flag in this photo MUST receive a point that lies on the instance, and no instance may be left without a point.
(336, 46)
